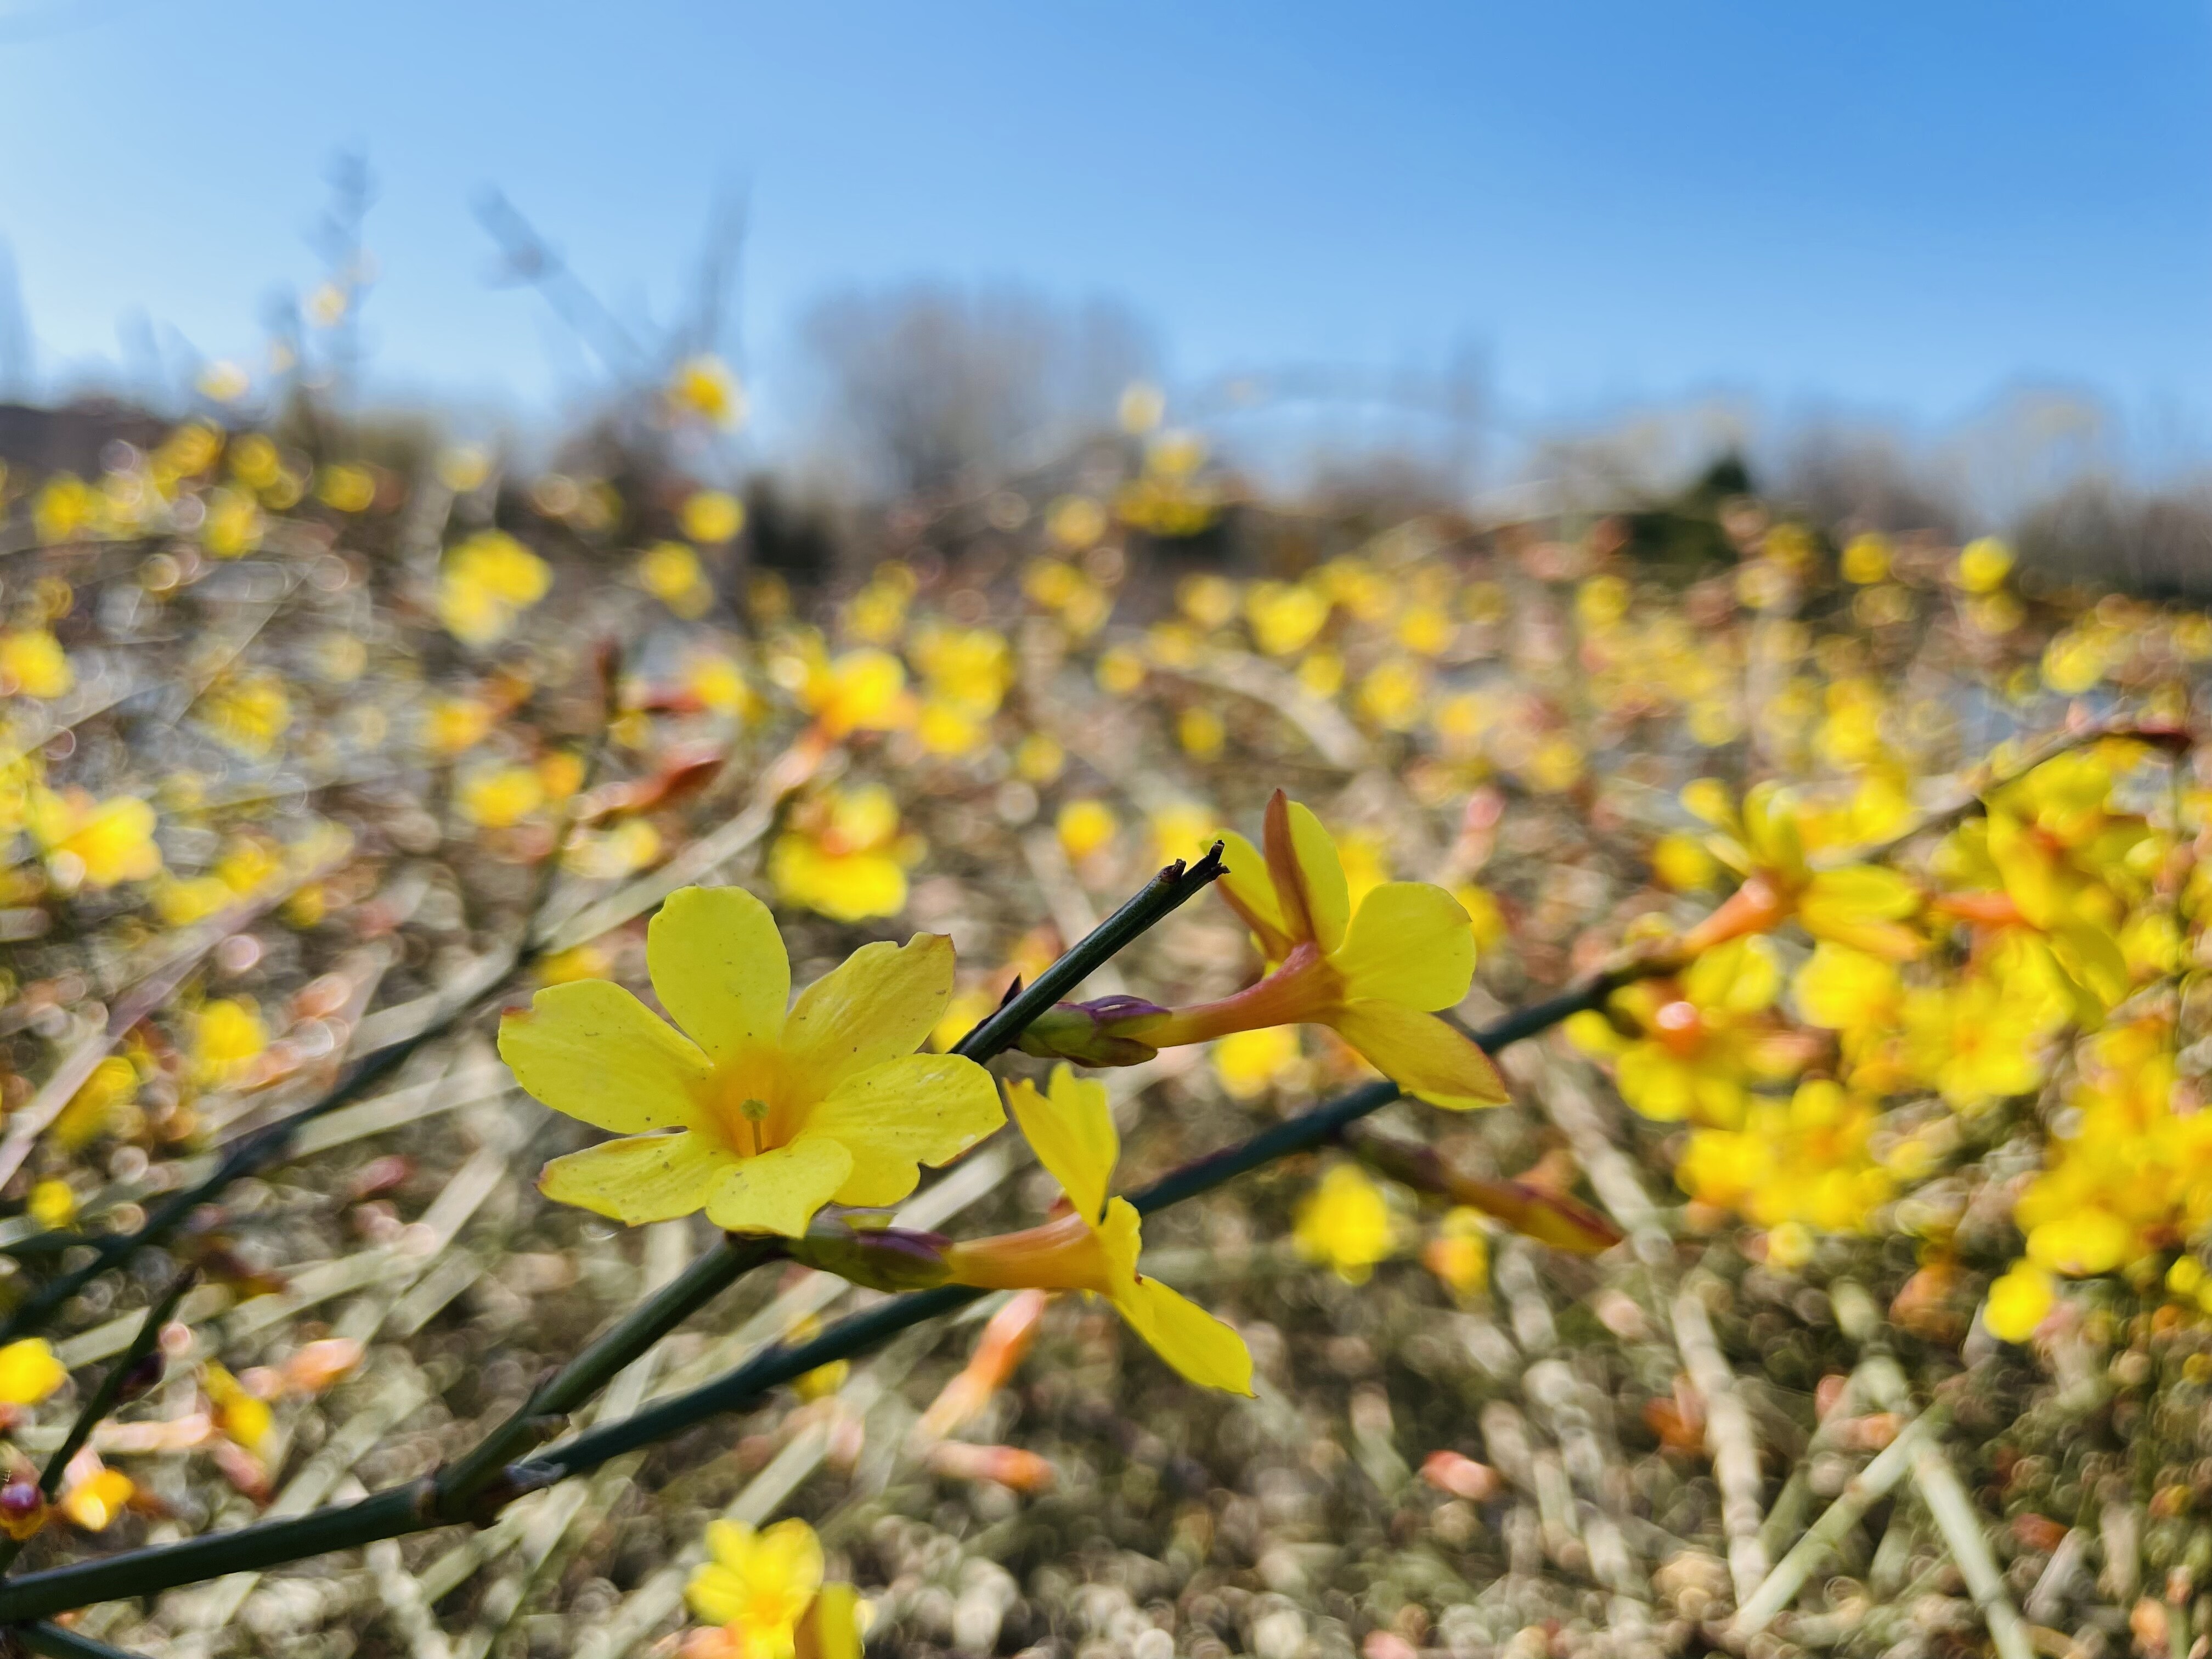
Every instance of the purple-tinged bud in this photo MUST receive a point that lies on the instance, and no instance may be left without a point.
(22, 1508)
(1106, 1031)
(880, 1258)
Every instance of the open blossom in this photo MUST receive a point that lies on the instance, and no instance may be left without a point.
(1693, 1046)
(1375, 975)
(1863, 906)
(764, 1596)
(757, 1116)
(1095, 1246)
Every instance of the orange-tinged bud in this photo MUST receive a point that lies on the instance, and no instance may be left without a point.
(1007, 1466)
(1463, 1477)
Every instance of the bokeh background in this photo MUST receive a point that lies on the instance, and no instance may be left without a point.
(468, 471)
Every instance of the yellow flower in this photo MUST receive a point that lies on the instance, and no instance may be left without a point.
(89, 843)
(1038, 758)
(53, 1205)
(1374, 975)
(29, 1372)
(844, 856)
(1346, 1224)
(1248, 1062)
(97, 1105)
(2018, 1300)
(1702, 1040)
(1086, 827)
(241, 1416)
(1285, 616)
(1201, 732)
(719, 683)
(1460, 1253)
(247, 712)
(1095, 1248)
(227, 1037)
(669, 571)
(486, 583)
(768, 1117)
(712, 516)
(1866, 559)
(96, 1499)
(1804, 1165)
(33, 664)
(704, 386)
(451, 725)
(759, 1583)
(862, 690)
(1982, 565)
(498, 797)
(1861, 905)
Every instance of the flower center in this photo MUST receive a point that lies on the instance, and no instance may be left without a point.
(745, 1107)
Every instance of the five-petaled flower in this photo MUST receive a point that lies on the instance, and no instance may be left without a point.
(757, 1115)
(1375, 976)
(1095, 1246)
(765, 1592)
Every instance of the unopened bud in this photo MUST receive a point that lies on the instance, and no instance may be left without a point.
(1107, 1031)
(22, 1508)
(880, 1258)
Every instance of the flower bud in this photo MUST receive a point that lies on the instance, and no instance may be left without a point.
(880, 1258)
(22, 1508)
(1106, 1031)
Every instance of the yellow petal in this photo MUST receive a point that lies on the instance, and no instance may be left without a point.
(1250, 891)
(1862, 906)
(1421, 1055)
(836, 1624)
(639, 1178)
(1308, 874)
(1204, 1349)
(1409, 944)
(1072, 1132)
(719, 968)
(1654, 1082)
(880, 1003)
(785, 1560)
(2029, 872)
(779, 1192)
(715, 1592)
(592, 1050)
(918, 1109)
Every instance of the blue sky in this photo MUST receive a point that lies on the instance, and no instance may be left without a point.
(1902, 208)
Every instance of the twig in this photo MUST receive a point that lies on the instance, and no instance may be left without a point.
(1728, 1437)
(1860, 1494)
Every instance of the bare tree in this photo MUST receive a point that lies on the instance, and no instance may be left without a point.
(923, 386)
